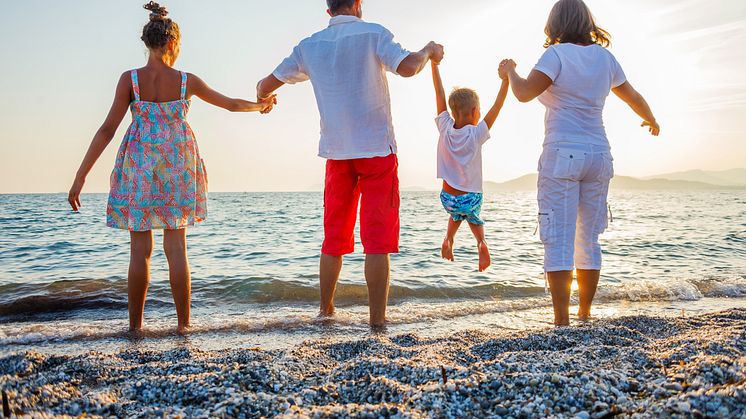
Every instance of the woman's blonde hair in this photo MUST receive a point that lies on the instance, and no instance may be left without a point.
(571, 21)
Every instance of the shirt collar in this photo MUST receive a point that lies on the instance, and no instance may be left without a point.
(340, 19)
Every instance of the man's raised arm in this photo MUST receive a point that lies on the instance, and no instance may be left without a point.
(416, 61)
(267, 86)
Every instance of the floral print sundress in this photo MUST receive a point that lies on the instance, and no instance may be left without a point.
(159, 180)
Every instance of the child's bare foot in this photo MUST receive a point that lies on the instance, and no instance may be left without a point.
(446, 250)
(484, 256)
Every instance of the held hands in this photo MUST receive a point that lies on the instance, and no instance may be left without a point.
(436, 52)
(506, 66)
(653, 127)
(267, 103)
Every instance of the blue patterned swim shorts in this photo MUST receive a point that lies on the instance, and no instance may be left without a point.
(463, 207)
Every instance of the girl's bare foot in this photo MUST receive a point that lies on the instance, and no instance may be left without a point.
(484, 256)
(446, 249)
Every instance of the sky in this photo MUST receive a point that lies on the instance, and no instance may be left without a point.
(60, 62)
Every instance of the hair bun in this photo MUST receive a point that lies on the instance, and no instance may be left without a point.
(157, 12)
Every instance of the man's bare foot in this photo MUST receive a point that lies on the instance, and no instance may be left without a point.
(484, 256)
(446, 250)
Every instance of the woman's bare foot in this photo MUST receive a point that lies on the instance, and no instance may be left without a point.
(584, 316)
(183, 330)
(484, 256)
(446, 249)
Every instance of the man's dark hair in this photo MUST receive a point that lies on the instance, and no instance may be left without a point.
(337, 5)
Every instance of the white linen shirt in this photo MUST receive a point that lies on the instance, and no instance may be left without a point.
(347, 64)
(460, 153)
(582, 77)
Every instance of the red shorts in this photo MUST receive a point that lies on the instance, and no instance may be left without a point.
(373, 182)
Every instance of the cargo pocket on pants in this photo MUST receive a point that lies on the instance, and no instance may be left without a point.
(603, 223)
(546, 226)
(569, 164)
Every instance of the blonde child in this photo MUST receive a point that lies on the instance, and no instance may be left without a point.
(460, 160)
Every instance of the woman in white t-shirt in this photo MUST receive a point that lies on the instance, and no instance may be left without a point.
(572, 80)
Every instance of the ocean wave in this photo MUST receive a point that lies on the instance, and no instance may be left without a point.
(290, 317)
(27, 300)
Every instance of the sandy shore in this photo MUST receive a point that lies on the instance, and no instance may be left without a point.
(633, 366)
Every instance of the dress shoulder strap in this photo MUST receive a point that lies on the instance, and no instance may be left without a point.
(183, 85)
(135, 85)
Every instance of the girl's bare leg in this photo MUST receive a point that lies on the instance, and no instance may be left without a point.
(560, 283)
(587, 284)
(484, 250)
(446, 249)
(138, 277)
(174, 244)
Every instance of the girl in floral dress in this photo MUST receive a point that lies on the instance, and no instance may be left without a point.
(159, 180)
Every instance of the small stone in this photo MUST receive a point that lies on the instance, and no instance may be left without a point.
(684, 407)
(673, 387)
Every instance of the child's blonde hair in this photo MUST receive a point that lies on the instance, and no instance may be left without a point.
(462, 101)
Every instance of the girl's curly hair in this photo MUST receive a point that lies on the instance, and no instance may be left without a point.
(160, 30)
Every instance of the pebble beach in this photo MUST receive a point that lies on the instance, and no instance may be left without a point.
(630, 366)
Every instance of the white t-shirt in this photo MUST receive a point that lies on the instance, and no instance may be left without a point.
(582, 77)
(347, 64)
(460, 153)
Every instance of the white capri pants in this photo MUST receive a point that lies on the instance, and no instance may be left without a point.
(573, 189)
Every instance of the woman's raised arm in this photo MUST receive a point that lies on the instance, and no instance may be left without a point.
(528, 89)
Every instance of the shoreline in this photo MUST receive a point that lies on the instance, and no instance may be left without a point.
(635, 366)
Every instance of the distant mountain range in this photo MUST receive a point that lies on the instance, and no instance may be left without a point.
(734, 179)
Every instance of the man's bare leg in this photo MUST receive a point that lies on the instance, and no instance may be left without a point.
(377, 277)
(446, 249)
(587, 284)
(329, 269)
(560, 283)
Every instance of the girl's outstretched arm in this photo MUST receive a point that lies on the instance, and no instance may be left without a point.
(631, 97)
(199, 88)
(103, 137)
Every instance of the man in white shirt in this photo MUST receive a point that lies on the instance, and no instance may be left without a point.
(347, 64)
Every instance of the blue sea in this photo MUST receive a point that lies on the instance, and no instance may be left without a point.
(255, 270)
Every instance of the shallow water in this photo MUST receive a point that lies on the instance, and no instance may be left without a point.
(255, 269)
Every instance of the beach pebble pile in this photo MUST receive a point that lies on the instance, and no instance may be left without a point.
(630, 366)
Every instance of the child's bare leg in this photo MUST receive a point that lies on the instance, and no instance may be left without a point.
(484, 250)
(141, 248)
(174, 244)
(587, 284)
(446, 249)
